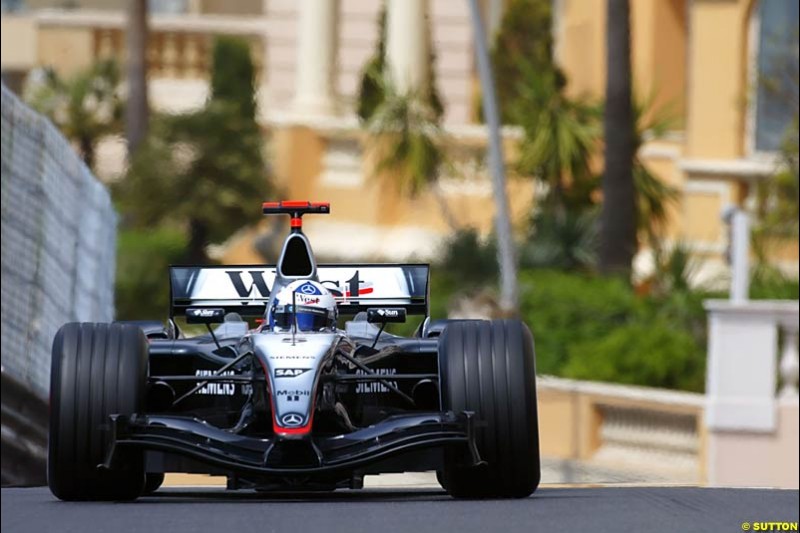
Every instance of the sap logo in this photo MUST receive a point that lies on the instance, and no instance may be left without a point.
(290, 372)
(258, 283)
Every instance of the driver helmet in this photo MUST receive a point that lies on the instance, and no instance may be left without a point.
(316, 308)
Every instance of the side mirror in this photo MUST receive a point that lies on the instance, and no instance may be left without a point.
(386, 315)
(205, 315)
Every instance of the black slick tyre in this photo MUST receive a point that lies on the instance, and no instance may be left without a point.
(488, 368)
(97, 370)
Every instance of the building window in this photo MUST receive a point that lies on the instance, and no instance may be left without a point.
(168, 7)
(775, 57)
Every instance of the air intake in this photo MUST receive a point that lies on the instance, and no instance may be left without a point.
(296, 260)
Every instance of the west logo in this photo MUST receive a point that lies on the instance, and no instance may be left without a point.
(258, 282)
(290, 372)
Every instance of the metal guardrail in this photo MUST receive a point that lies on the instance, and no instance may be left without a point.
(58, 258)
(24, 434)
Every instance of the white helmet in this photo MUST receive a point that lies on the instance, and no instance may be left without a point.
(316, 308)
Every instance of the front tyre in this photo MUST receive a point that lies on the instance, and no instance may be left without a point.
(97, 370)
(488, 367)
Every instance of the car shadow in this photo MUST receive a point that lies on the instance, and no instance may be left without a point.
(220, 495)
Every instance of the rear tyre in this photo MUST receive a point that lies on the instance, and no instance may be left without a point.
(97, 370)
(488, 367)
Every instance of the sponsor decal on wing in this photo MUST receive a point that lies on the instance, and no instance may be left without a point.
(375, 387)
(217, 389)
(231, 286)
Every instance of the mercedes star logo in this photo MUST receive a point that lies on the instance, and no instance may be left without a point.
(308, 289)
(291, 420)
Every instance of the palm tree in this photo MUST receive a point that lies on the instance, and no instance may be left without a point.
(405, 134)
(618, 220)
(405, 131)
(561, 135)
(653, 196)
(561, 238)
(137, 111)
(85, 107)
(524, 40)
(407, 143)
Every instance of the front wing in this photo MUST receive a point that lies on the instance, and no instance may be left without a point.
(287, 455)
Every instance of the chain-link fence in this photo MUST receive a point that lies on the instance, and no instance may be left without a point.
(58, 243)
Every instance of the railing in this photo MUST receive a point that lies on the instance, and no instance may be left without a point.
(753, 356)
(622, 433)
(179, 46)
(752, 398)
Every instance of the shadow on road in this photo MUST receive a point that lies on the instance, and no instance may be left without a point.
(184, 496)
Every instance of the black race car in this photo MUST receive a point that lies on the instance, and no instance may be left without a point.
(293, 410)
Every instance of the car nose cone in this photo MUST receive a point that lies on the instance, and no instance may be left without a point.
(291, 419)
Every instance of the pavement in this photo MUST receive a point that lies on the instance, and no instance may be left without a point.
(384, 509)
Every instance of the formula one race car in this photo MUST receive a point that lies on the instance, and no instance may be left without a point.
(291, 401)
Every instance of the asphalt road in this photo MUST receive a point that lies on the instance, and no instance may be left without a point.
(600, 509)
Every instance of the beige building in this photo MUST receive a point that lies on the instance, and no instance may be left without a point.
(700, 59)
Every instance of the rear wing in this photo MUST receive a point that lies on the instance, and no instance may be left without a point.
(245, 289)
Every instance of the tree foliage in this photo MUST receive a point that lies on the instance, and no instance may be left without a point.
(85, 107)
(142, 282)
(778, 206)
(203, 171)
(524, 43)
(406, 141)
(376, 86)
(590, 327)
(469, 259)
(233, 75)
(561, 238)
(561, 135)
(653, 196)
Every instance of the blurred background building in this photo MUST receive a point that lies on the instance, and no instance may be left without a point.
(697, 61)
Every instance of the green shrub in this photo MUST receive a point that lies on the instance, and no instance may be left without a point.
(769, 283)
(595, 328)
(524, 37)
(562, 309)
(469, 258)
(561, 239)
(233, 75)
(142, 283)
(654, 353)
